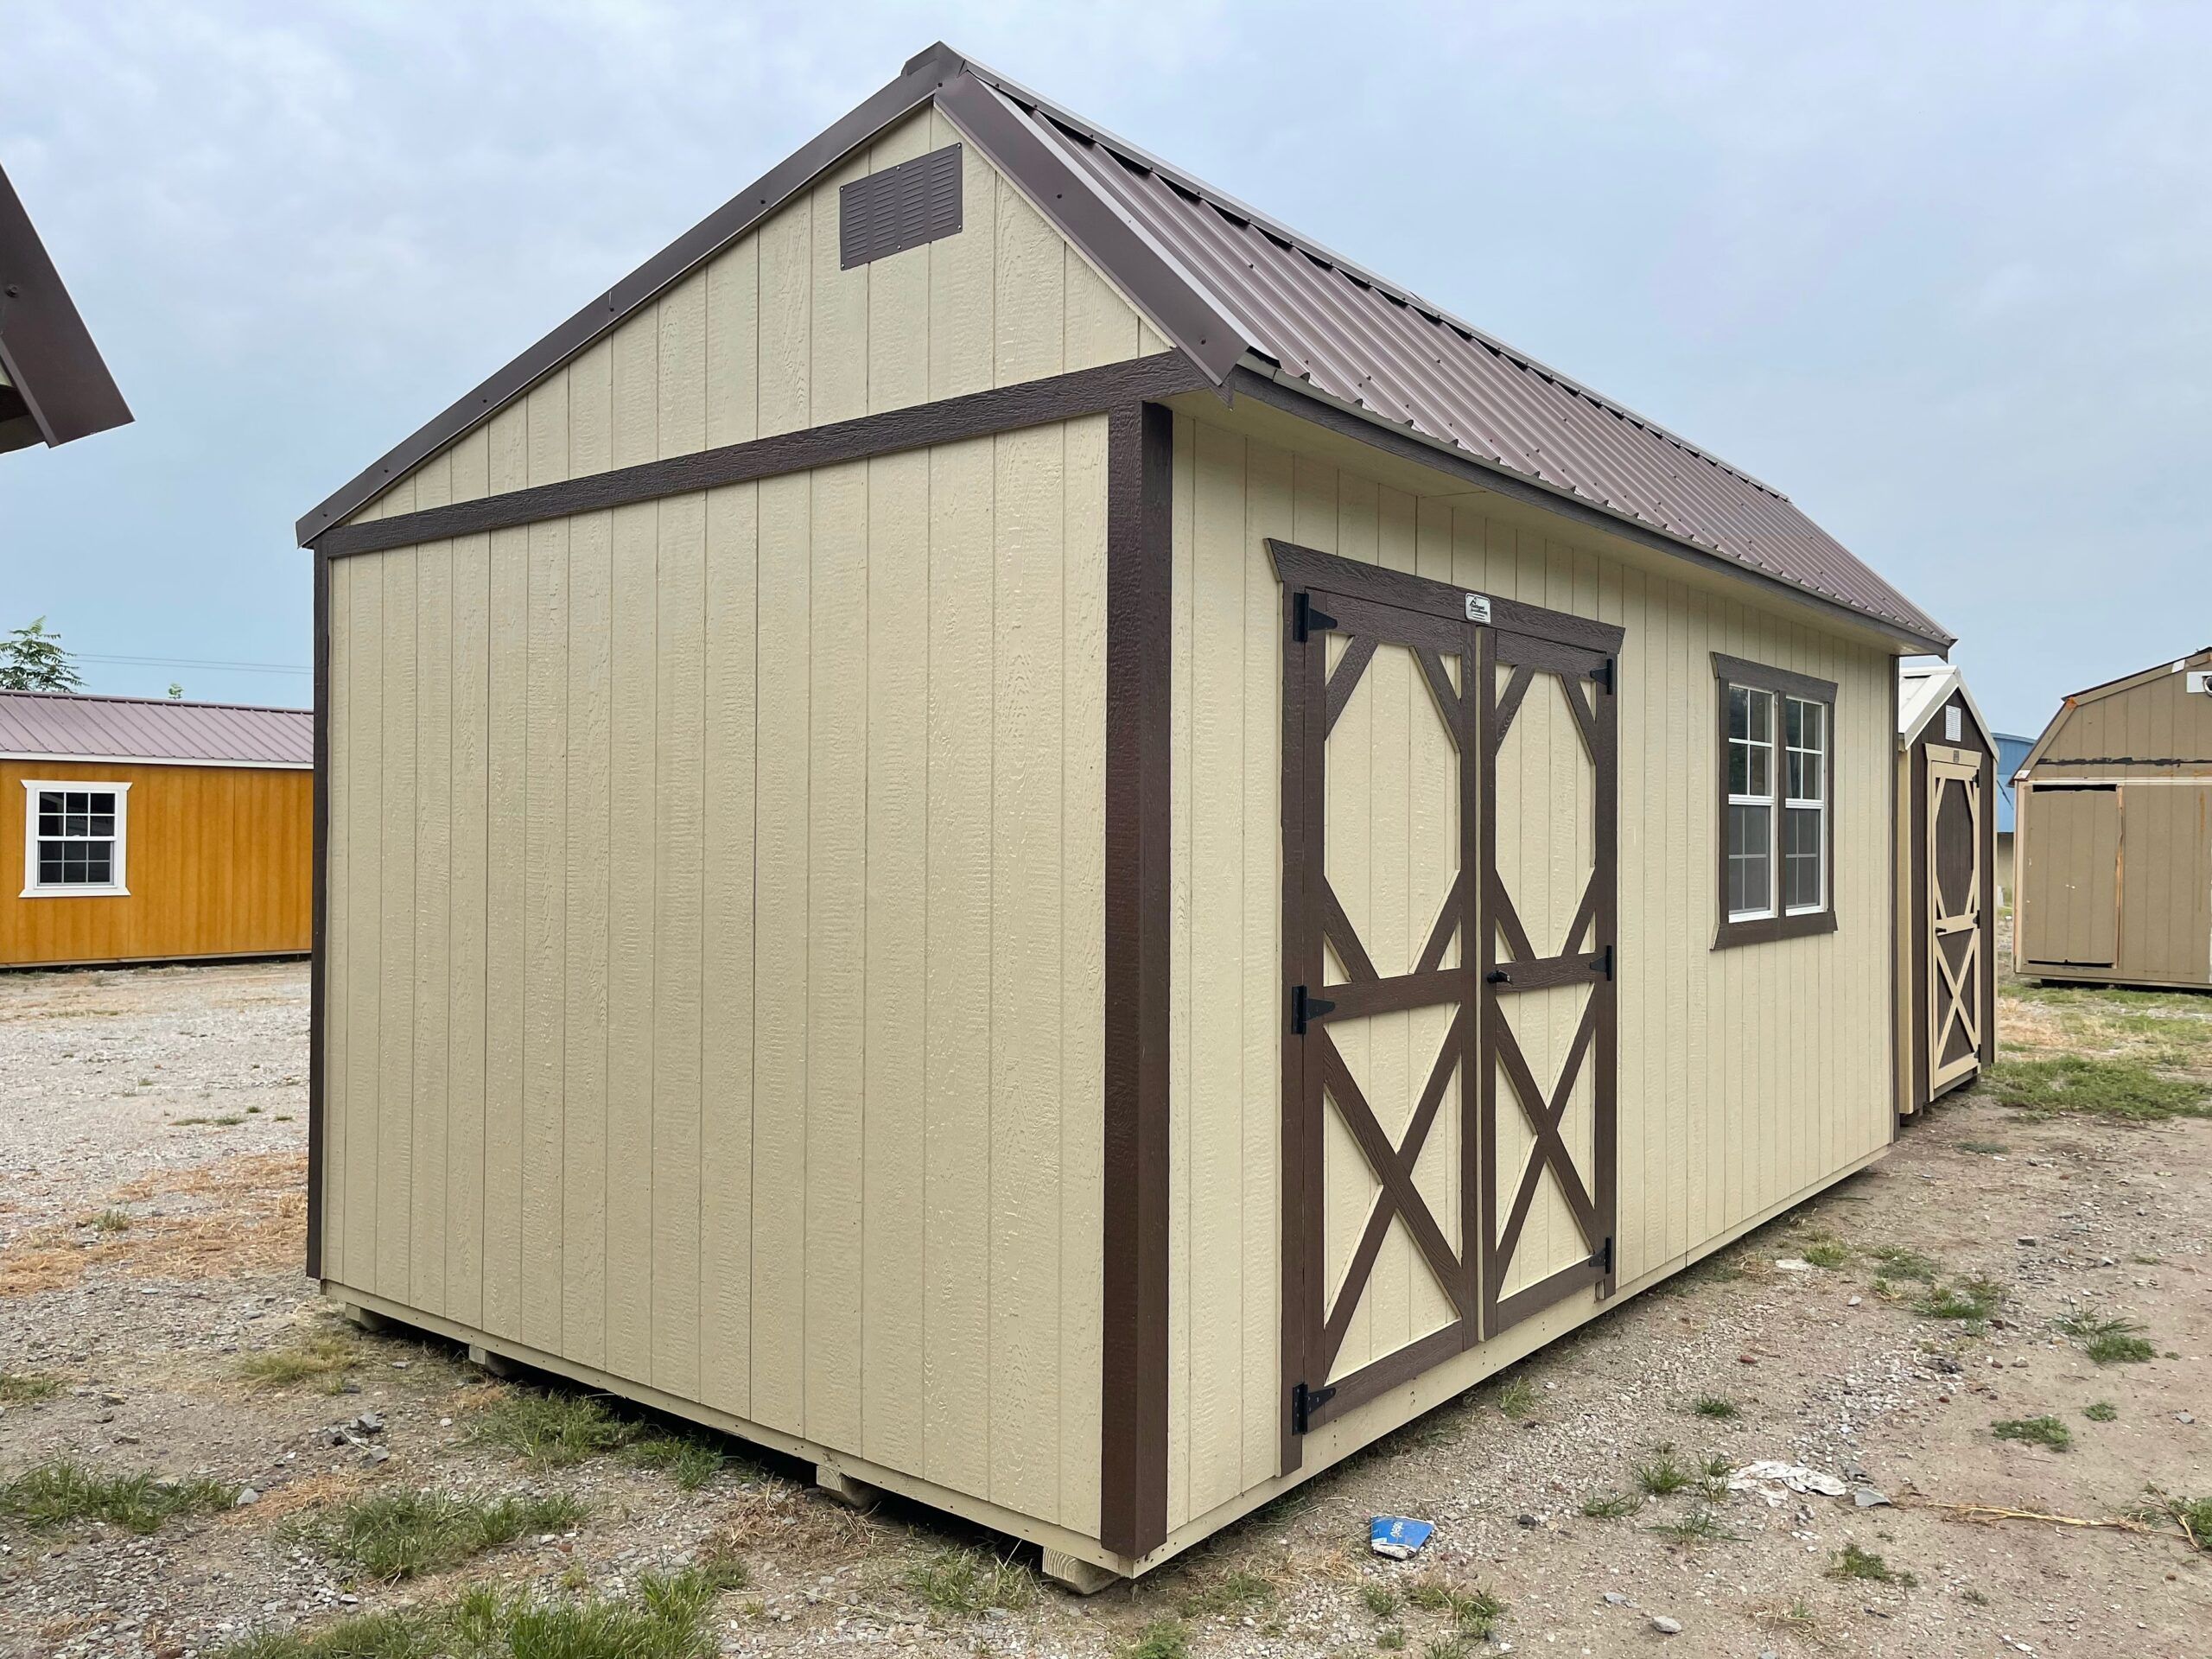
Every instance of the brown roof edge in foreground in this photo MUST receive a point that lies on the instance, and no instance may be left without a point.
(1234, 289)
(54, 385)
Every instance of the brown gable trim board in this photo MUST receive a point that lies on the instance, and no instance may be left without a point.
(1726, 935)
(46, 351)
(1897, 1101)
(1139, 631)
(1002, 409)
(1180, 307)
(1410, 446)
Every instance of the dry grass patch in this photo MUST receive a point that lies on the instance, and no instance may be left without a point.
(782, 1517)
(324, 1359)
(239, 1215)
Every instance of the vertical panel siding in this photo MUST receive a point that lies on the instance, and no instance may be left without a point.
(766, 954)
(1719, 1118)
(777, 337)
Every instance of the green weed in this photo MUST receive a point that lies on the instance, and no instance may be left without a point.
(963, 1583)
(1972, 1299)
(2034, 1431)
(1381, 1599)
(553, 1431)
(1662, 1477)
(1710, 1405)
(1986, 1148)
(1517, 1401)
(323, 1358)
(688, 1459)
(1611, 1506)
(1225, 1595)
(1826, 1253)
(1853, 1562)
(2108, 1342)
(27, 1388)
(109, 1221)
(1697, 1525)
(53, 1495)
(665, 1619)
(2125, 1088)
(1164, 1639)
(1473, 1611)
(398, 1535)
(2103, 1411)
(1907, 1264)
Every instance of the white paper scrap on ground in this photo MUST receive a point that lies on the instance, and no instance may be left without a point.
(1771, 1480)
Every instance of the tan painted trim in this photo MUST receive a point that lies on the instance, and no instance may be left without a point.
(891, 1480)
(1360, 1427)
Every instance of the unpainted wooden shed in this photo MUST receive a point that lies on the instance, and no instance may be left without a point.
(1009, 829)
(1947, 908)
(2114, 839)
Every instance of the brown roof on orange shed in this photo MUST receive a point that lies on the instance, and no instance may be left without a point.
(69, 725)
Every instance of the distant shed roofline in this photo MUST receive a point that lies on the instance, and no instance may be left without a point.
(82, 729)
(1943, 679)
(1593, 466)
(2098, 693)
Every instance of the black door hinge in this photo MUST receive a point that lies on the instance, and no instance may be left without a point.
(1307, 618)
(1603, 963)
(1602, 1257)
(1304, 1007)
(1602, 676)
(1304, 1402)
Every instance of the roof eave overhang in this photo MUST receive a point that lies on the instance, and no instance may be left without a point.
(47, 354)
(1257, 374)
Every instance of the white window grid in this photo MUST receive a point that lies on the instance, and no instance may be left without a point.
(1758, 759)
(1810, 766)
(115, 886)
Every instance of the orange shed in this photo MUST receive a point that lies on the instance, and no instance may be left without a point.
(153, 830)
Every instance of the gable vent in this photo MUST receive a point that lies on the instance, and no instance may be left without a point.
(900, 207)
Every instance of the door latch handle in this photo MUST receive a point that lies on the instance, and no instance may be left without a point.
(1497, 976)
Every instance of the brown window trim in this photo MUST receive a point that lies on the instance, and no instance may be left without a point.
(1782, 682)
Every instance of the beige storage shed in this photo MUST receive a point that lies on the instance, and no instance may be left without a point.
(2114, 817)
(1005, 827)
(1947, 903)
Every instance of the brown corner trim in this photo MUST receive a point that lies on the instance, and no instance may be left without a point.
(1244, 383)
(320, 902)
(1727, 934)
(923, 74)
(1133, 1380)
(1031, 403)
(1181, 309)
(1898, 1085)
(1303, 567)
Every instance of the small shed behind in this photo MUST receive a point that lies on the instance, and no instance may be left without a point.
(154, 830)
(2114, 807)
(1947, 901)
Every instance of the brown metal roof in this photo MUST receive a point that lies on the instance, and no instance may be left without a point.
(67, 724)
(1230, 285)
(1343, 331)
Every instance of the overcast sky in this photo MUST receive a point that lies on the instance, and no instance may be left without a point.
(1942, 272)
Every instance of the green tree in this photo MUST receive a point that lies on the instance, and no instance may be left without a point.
(31, 659)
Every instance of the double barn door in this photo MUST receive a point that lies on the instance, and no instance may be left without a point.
(1449, 790)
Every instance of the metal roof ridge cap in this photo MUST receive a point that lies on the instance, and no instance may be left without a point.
(158, 702)
(1896, 626)
(1104, 199)
(601, 314)
(1269, 223)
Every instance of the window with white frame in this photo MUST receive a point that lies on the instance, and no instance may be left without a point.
(73, 838)
(1776, 840)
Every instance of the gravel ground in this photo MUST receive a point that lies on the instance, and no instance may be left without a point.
(145, 1329)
